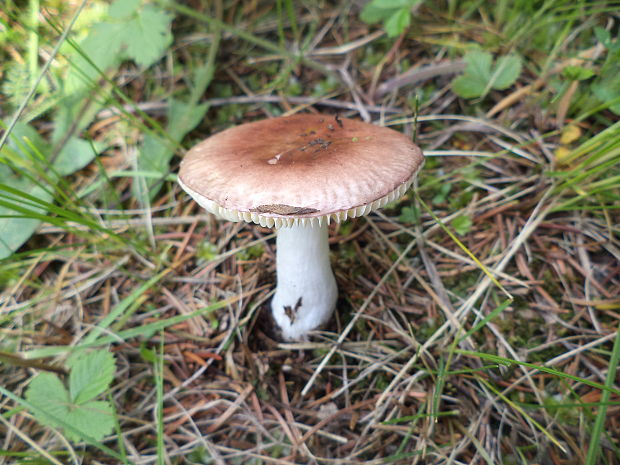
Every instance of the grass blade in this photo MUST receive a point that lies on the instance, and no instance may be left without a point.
(599, 423)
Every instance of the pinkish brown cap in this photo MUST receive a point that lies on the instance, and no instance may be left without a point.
(300, 169)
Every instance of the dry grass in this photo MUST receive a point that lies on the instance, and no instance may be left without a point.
(391, 379)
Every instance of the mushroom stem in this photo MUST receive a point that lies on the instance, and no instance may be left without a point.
(306, 292)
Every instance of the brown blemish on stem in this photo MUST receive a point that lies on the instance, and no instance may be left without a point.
(291, 312)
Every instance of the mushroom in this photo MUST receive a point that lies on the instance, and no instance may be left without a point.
(297, 174)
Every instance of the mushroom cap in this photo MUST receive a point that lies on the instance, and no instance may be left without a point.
(300, 169)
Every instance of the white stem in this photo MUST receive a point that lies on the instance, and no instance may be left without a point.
(306, 294)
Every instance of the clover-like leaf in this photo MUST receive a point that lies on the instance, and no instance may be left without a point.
(473, 82)
(139, 33)
(74, 411)
(95, 419)
(481, 75)
(91, 374)
(395, 14)
(147, 35)
(49, 397)
(505, 73)
(397, 22)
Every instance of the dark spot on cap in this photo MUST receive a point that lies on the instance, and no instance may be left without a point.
(282, 209)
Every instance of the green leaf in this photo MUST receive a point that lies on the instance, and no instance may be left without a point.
(395, 14)
(398, 22)
(16, 82)
(93, 58)
(91, 374)
(23, 163)
(474, 81)
(156, 153)
(148, 35)
(479, 65)
(123, 8)
(607, 89)
(22, 151)
(480, 75)
(462, 224)
(371, 14)
(47, 393)
(140, 34)
(577, 73)
(25, 143)
(442, 195)
(75, 155)
(603, 36)
(183, 117)
(506, 72)
(17, 227)
(409, 215)
(95, 419)
(149, 355)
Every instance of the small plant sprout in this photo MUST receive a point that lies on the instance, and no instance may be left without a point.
(298, 174)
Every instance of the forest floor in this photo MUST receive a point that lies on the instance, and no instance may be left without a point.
(478, 316)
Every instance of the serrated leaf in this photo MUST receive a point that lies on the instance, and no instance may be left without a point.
(95, 419)
(147, 35)
(505, 73)
(467, 87)
(52, 408)
(480, 75)
(391, 12)
(479, 64)
(397, 22)
(91, 374)
(139, 34)
(472, 83)
(49, 397)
